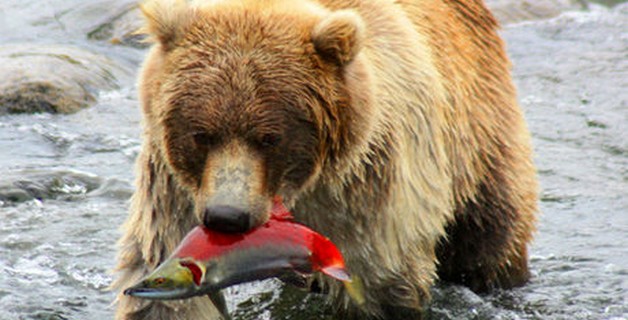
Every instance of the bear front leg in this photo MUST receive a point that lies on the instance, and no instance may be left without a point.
(397, 299)
(391, 292)
(407, 293)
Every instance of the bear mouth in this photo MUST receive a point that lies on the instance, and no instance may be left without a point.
(279, 210)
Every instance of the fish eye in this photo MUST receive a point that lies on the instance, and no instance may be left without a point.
(159, 281)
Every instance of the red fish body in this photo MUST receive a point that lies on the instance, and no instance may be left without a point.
(206, 260)
(203, 244)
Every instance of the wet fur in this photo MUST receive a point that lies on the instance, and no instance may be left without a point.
(421, 165)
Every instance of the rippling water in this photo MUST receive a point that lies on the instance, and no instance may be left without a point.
(56, 253)
(67, 179)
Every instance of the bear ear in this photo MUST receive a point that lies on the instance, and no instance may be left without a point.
(166, 20)
(339, 37)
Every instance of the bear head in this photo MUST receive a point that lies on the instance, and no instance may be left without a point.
(248, 100)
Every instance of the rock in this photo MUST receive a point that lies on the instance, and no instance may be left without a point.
(121, 29)
(64, 185)
(114, 189)
(11, 193)
(104, 20)
(53, 78)
(510, 11)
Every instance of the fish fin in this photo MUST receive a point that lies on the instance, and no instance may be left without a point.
(218, 299)
(338, 273)
(355, 290)
(352, 284)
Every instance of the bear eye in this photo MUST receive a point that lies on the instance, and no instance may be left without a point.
(270, 140)
(204, 139)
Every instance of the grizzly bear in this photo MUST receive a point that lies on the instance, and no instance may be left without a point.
(391, 127)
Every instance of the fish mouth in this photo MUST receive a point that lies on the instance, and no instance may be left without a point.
(157, 293)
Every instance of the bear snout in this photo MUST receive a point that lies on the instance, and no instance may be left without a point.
(227, 219)
(233, 197)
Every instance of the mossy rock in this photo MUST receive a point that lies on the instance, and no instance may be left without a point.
(53, 78)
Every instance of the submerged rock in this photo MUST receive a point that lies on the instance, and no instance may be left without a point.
(65, 185)
(53, 78)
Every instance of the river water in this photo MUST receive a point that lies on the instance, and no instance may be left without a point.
(67, 179)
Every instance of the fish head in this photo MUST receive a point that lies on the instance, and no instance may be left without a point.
(175, 278)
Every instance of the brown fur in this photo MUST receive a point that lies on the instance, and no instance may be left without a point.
(389, 126)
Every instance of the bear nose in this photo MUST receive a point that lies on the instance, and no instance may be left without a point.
(227, 219)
